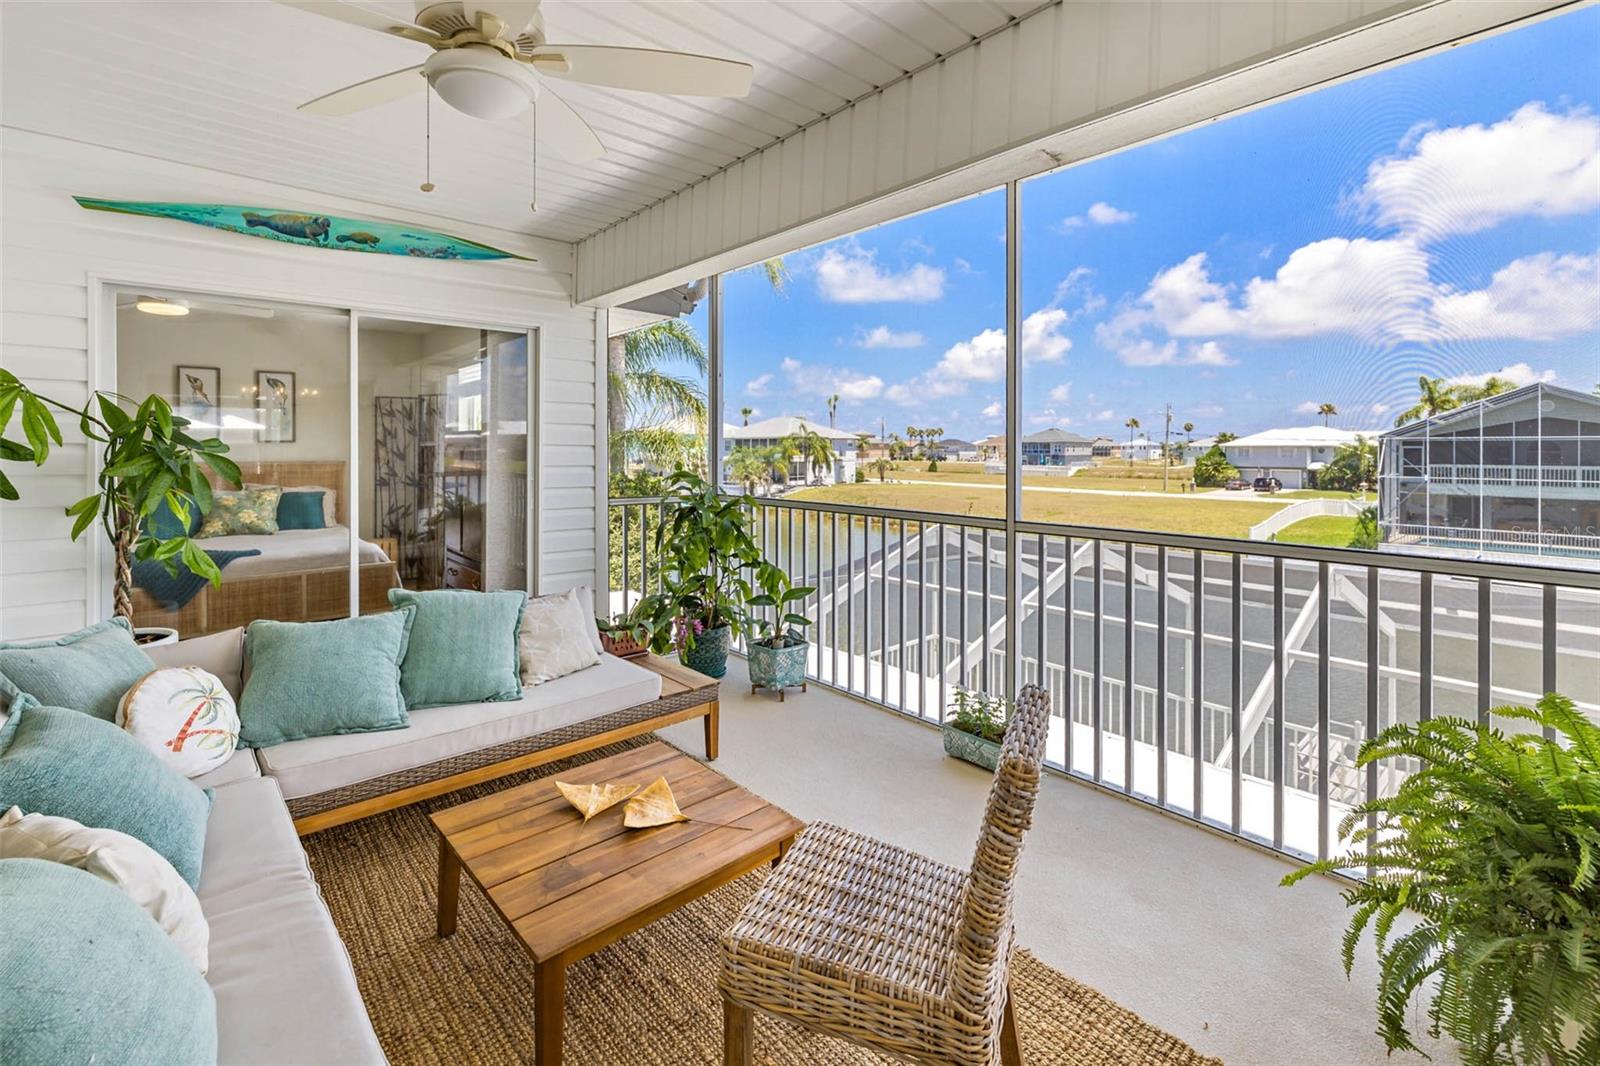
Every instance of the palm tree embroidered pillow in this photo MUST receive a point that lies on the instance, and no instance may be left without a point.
(185, 716)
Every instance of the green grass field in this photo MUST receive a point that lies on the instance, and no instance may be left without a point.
(1324, 531)
(1326, 494)
(1213, 518)
(1140, 478)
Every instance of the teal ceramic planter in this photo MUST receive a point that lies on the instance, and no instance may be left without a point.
(778, 668)
(709, 655)
(969, 748)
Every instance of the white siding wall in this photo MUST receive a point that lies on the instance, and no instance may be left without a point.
(1071, 81)
(51, 251)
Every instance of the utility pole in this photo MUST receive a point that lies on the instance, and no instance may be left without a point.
(1166, 452)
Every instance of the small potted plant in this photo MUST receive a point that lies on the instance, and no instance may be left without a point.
(974, 727)
(778, 648)
(623, 636)
(1493, 845)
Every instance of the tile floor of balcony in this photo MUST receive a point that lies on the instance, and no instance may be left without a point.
(1180, 924)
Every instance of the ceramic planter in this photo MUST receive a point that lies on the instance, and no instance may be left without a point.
(150, 636)
(970, 748)
(709, 655)
(778, 668)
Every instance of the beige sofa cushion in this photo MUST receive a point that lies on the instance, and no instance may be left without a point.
(285, 989)
(307, 767)
(221, 654)
(241, 766)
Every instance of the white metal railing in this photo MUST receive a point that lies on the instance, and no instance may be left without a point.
(1248, 673)
(1513, 540)
(1520, 475)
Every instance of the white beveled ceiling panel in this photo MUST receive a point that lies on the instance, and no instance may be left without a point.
(215, 85)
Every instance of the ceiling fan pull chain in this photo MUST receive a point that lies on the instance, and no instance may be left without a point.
(533, 205)
(427, 138)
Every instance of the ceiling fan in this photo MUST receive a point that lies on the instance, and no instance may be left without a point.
(490, 59)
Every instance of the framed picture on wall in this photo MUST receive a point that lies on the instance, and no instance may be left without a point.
(198, 392)
(275, 396)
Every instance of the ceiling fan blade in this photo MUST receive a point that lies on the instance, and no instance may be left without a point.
(516, 15)
(645, 69)
(366, 18)
(562, 129)
(370, 93)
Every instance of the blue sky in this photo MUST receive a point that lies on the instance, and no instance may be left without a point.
(1442, 217)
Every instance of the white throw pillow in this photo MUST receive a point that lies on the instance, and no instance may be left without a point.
(121, 860)
(185, 715)
(553, 640)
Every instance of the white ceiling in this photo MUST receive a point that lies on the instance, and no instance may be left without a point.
(216, 84)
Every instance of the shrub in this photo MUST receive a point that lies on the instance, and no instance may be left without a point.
(1367, 534)
(1213, 470)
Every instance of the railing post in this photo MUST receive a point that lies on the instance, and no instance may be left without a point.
(1013, 595)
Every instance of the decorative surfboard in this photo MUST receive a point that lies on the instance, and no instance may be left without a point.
(316, 231)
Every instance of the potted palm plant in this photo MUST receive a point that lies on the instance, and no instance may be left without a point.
(704, 551)
(974, 727)
(1494, 844)
(778, 648)
(147, 461)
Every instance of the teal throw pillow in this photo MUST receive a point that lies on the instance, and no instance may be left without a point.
(316, 679)
(300, 510)
(88, 670)
(88, 977)
(57, 761)
(163, 523)
(463, 646)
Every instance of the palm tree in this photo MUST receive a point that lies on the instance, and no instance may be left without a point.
(833, 410)
(1492, 386)
(777, 463)
(644, 396)
(1327, 411)
(881, 466)
(1132, 424)
(817, 450)
(748, 467)
(1436, 396)
(745, 413)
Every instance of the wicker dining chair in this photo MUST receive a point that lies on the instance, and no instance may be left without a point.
(884, 947)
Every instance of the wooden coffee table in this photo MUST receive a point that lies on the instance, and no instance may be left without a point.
(567, 889)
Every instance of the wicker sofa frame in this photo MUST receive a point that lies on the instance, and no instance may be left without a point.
(685, 695)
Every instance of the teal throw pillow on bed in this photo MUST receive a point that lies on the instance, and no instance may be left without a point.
(88, 977)
(163, 523)
(316, 679)
(463, 646)
(300, 510)
(59, 762)
(88, 670)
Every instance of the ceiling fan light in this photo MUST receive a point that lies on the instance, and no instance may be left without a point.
(477, 83)
(160, 305)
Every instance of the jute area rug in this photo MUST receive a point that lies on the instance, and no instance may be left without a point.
(649, 998)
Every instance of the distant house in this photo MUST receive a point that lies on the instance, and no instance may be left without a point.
(1103, 448)
(953, 448)
(1056, 447)
(1293, 456)
(992, 449)
(1515, 474)
(1141, 450)
(772, 431)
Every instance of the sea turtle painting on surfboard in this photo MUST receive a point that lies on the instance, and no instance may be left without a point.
(311, 229)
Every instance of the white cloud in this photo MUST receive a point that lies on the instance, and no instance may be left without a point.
(1210, 353)
(1146, 352)
(1310, 407)
(1100, 213)
(1518, 374)
(1538, 297)
(983, 358)
(1061, 393)
(757, 386)
(994, 410)
(1103, 415)
(851, 275)
(1463, 179)
(884, 337)
(851, 386)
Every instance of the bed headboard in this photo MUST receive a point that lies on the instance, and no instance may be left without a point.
(290, 472)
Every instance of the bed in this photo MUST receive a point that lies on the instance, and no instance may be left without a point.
(301, 575)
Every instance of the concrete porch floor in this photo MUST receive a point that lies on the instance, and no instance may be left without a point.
(1187, 928)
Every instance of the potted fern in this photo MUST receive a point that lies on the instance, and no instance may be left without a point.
(974, 727)
(1495, 845)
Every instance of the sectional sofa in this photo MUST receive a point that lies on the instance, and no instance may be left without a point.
(275, 955)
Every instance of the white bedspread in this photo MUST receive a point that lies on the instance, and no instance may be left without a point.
(291, 550)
